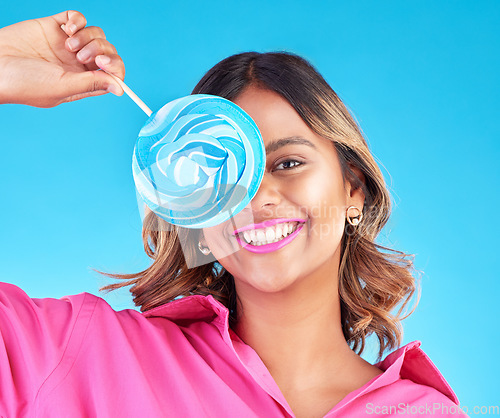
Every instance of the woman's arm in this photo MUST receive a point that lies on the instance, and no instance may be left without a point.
(43, 65)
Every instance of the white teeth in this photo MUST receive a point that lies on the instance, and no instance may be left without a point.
(269, 235)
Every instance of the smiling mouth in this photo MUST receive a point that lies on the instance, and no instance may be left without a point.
(269, 235)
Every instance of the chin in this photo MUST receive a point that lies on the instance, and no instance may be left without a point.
(265, 282)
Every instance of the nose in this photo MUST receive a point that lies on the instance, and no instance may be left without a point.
(268, 196)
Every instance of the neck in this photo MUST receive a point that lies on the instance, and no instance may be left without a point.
(299, 326)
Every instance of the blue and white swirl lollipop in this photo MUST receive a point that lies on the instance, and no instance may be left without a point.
(198, 161)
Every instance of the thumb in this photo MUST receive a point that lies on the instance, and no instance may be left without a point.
(88, 83)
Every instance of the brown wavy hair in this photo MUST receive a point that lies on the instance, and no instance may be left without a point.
(373, 280)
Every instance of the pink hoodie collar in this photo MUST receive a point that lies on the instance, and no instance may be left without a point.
(408, 362)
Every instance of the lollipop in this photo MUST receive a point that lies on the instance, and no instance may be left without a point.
(198, 161)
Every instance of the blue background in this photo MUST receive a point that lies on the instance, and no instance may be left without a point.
(421, 78)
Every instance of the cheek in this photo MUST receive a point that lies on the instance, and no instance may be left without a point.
(320, 194)
(323, 198)
(218, 241)
(221, 248)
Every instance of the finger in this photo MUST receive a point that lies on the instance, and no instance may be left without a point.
(83, 37)
(80, 96)
(76, 85)
(112, 64)
(96, 47)
(72, 20)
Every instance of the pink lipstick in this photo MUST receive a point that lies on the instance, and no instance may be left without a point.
(274, 246)
(265, 224)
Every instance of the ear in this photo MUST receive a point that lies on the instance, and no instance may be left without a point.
(201, 238)
(355, 193)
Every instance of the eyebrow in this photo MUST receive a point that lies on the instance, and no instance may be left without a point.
(293, 140)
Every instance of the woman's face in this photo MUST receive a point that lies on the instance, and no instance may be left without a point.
(302, 195)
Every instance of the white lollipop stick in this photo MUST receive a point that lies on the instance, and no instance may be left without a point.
(132, 95)
(127, 90)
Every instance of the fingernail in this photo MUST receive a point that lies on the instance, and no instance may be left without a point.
(83, 55)
(72, 28)
(73, 43)
(103, 60)
(113, 88)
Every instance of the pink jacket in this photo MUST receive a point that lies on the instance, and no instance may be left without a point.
(77, 357)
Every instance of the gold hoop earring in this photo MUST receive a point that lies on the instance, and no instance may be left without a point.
(354, 220)
(203, 250)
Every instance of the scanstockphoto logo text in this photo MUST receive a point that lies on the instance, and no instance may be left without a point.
(435, 408)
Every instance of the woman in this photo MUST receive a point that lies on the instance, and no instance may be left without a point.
(271, 329)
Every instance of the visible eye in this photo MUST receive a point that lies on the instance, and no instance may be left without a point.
(288, 164)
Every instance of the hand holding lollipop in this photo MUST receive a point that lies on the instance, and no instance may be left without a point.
(198, 161)
(42, 66)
